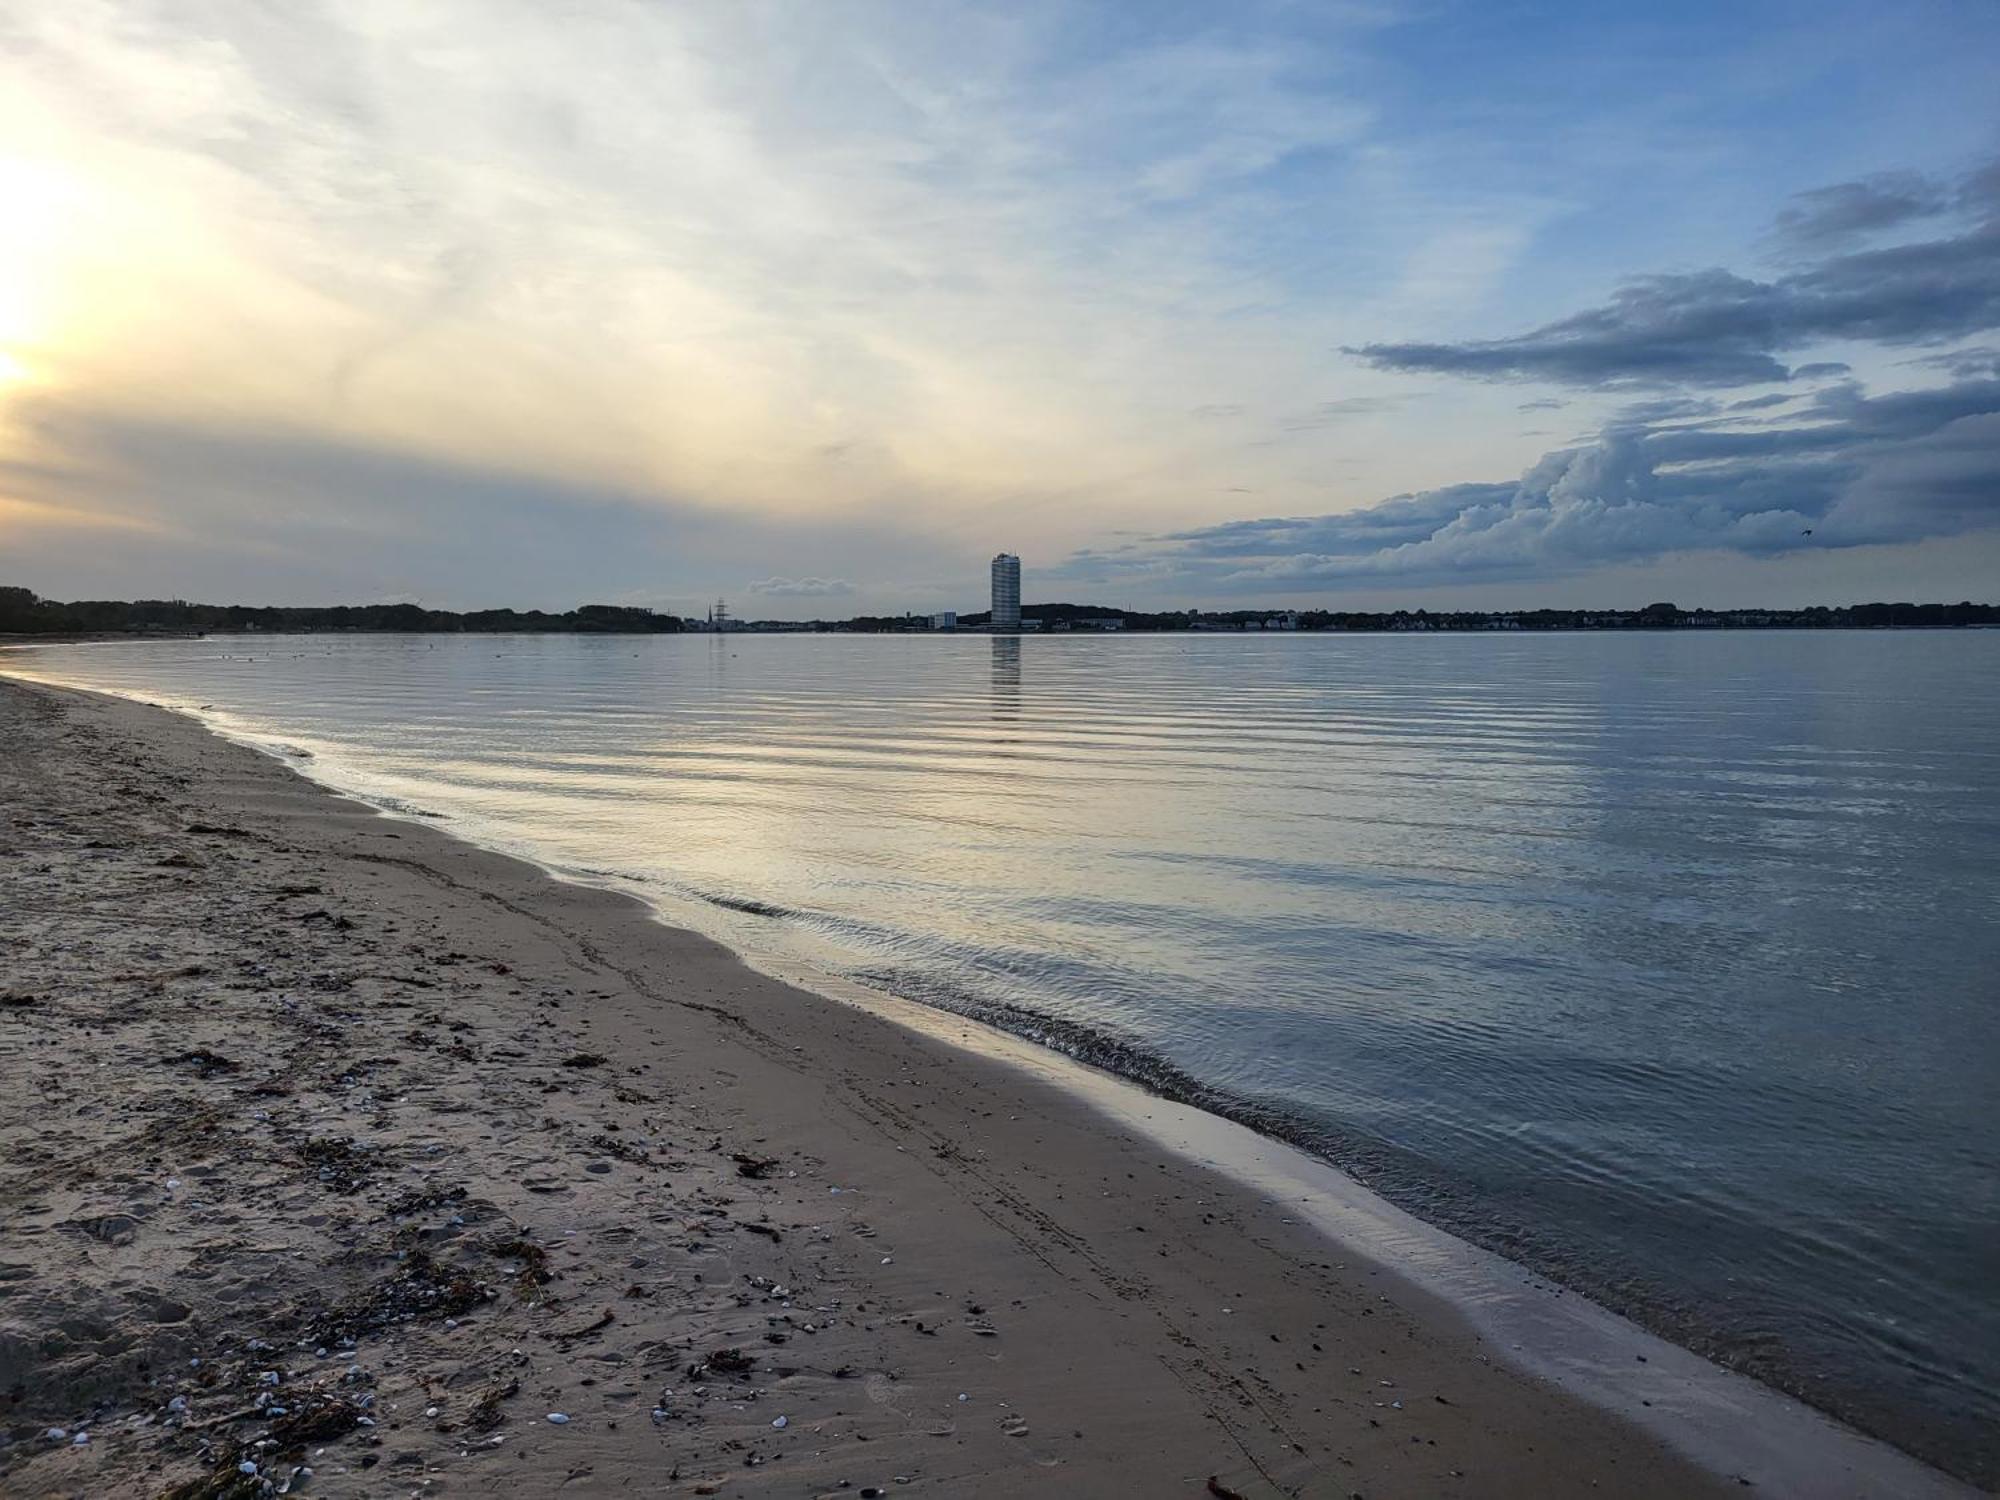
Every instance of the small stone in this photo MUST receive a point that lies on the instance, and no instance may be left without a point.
(781, 1423)
(559, 1418)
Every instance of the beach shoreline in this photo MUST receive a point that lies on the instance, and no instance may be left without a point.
(1172, 1318)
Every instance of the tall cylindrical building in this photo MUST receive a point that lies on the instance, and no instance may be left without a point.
(1006, 592)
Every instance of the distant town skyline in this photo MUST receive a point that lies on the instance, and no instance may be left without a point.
(811, 305)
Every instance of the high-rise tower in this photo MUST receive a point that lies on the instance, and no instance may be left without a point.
(1006, 592)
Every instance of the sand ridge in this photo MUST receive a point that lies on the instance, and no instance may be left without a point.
(332, 1143)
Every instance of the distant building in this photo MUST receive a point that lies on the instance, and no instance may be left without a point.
(945, 619)
(718, 616)
(1006, 592)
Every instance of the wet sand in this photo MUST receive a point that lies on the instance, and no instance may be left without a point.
(332, 1141)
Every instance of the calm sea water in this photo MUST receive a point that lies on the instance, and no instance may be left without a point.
(1665, 963)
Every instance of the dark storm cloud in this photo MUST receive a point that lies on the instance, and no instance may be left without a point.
(1844, 470)
(1716, 328)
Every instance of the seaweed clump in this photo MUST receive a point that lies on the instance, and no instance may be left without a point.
(420, 1288)
(318, 1418)
(534, 1269)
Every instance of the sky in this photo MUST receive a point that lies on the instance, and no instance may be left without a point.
(816, 305)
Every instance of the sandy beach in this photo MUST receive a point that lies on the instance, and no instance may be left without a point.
(332, 1143)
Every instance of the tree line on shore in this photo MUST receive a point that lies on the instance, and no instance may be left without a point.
(1649, 617)
(23, 613)
(1085, 617)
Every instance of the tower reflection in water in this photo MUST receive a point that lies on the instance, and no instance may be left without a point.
(1006, 677)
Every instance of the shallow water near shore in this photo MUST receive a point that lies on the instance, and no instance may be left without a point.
(1660, 962)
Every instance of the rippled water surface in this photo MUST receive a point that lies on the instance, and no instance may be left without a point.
(1667, 963)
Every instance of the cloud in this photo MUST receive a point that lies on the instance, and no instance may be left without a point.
(1964, 364)
(254, 514)
(1206, 111)
(1929, 487)
(1847, 470)
(326, 518)
(1847, 210)
(1328, 413)
(1979, 190)
(801, 588)
(523, 303)
(1643, 414)
(713, 248)
(1716, 328)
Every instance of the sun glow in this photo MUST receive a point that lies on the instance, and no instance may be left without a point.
(36, 212)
